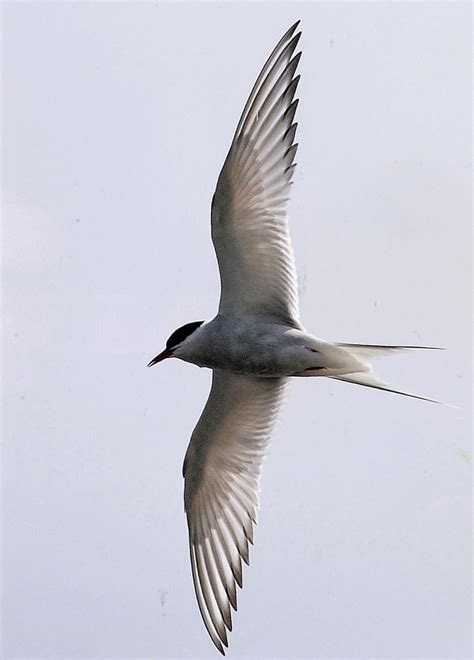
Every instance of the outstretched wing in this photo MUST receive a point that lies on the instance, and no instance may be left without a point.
(221, 470)
(249, 223)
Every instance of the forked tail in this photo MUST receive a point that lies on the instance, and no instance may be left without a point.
(368, 352)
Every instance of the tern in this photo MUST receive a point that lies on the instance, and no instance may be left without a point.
(254, 344)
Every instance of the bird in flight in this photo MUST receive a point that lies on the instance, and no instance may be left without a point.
(254, 344)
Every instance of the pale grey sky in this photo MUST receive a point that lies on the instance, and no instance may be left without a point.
(116, 121)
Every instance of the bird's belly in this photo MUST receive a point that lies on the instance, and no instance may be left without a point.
(258, 362)
(254, 362)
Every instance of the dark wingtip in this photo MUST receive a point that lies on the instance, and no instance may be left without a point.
(219, 647)
(294, 41)
(294, 26)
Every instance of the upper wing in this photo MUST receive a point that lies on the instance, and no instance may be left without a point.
(248, 217)
(221, 470)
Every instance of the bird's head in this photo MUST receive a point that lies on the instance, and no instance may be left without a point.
(175, 341)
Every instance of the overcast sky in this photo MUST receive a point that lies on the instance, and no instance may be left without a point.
(116, 121)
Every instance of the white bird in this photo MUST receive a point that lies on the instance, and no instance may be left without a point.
(255, 342)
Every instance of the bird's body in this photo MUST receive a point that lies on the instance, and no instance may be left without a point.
(254, 344)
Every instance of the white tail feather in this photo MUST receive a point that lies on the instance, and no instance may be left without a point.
(374, 351)
(368, 380)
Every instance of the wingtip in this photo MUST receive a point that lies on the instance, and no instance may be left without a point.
(289, 33)
(219, 647)
(294, 26)
(294, 40)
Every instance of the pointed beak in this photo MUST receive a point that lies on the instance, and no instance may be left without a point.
(168, 352)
